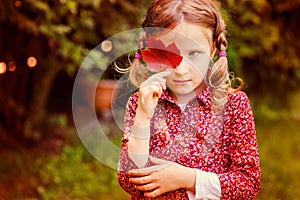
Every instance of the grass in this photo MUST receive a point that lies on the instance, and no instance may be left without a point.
(280, 159)
(71, 172)
(58, 169)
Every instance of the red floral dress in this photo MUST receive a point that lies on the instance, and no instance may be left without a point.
(179, 136)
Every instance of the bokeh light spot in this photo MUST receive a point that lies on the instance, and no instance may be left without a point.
(31, 61)
(2, 67)
(12, 66)
(106, 46)
(18, 3)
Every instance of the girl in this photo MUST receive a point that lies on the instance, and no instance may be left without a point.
(187, 133)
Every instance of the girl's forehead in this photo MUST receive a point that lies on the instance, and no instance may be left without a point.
(186, 34)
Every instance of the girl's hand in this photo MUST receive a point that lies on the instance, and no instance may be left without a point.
(163, 177)
(149, 92)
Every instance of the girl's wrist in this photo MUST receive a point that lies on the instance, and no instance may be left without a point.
(189, 180)
(140, 132)
(142, 119)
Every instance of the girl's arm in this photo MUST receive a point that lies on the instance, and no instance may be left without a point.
(242, 181)
(149, 92)
(125, 162)
(162, 177)
(138, 144)
(135, 143)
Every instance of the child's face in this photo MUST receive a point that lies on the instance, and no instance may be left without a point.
(195, 44)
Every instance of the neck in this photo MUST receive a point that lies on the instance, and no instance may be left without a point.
(184, 98)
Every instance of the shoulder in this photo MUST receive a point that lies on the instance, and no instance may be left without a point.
(238, 98)
(238, 102)
(239, 116)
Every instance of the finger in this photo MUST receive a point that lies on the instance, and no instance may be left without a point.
(145, 171)
(140, 180)
(147, 84)
(146, 187)
(154, 193)
(163, 73)
(147, 90)
(162, 77)
(151, 80)
(159, 77)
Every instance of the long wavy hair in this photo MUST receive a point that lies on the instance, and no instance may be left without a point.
(168, 14)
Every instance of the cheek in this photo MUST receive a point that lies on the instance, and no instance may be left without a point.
(200, 67)
(202, 70)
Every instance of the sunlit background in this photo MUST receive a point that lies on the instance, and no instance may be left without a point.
(43, 43)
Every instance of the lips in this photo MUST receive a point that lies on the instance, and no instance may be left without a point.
(181, 81)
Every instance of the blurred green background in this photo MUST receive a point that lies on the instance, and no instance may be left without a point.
(43, 43)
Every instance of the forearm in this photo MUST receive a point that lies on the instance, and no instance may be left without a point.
(138, 143)
(138, 150)
(189, 179)
(240, 185)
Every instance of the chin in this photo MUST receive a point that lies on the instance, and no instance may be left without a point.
(184, 92)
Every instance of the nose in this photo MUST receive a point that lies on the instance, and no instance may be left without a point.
(182, 68)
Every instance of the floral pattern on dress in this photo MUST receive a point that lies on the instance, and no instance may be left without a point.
(179, 136)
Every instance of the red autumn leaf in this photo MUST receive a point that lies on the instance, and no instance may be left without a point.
(157, 56)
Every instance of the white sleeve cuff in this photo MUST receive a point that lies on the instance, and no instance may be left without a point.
(207, 186)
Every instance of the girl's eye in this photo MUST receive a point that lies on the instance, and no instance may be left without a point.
(193, 53)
